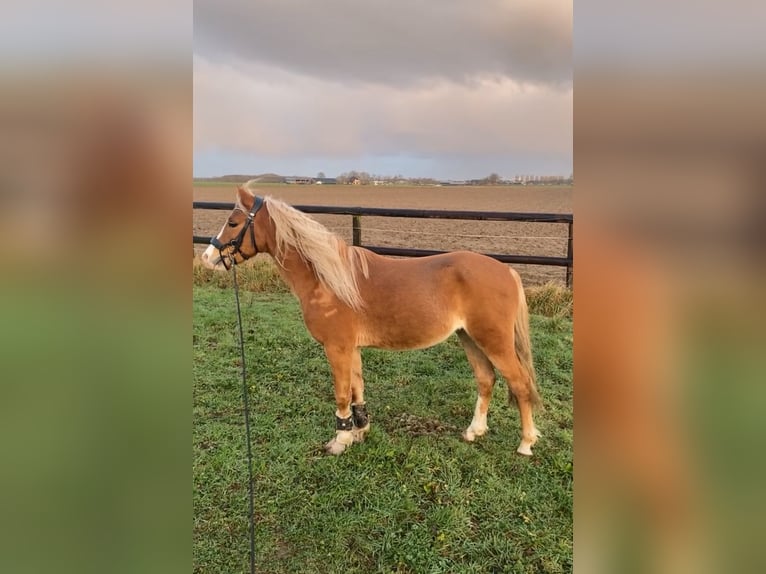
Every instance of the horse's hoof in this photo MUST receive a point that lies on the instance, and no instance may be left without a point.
(527, 442)
(470, 434)
(524, 449)
(334, 447)
(360, 434)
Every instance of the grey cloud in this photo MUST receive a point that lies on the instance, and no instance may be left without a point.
(394, 42)
(279, 114)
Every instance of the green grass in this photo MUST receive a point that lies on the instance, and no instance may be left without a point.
(414, 497)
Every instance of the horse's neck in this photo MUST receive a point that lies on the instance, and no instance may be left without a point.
(297, 273)
(294, 270)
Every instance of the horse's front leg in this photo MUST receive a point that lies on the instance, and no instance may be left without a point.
(341, 359)
(358, 406)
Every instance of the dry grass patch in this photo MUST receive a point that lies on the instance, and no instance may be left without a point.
(550, 300)
(258, 275)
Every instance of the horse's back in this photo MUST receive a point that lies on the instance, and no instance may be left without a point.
(459, 270)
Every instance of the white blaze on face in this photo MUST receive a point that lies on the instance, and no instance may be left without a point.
(211, 258)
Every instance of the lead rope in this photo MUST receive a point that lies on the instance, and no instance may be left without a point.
(245, 396)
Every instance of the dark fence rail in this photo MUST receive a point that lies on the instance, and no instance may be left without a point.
(357, 212)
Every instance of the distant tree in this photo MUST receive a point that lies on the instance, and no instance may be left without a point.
(361, 177)
(493, 179)
(347, 177)
(320, 175)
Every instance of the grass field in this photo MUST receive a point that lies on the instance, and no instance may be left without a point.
(414, 497)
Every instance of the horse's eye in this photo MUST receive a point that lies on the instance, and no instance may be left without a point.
(233, 224)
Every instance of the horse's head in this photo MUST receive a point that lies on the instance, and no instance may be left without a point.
(241, 237)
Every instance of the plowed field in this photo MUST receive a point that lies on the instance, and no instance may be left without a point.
(483, 236)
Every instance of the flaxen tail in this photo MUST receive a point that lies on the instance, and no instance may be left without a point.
(522, 344)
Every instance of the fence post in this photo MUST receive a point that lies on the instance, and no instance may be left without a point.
(356, 228)
(569, 255)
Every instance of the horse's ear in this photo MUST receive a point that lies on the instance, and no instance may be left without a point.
(245, 196)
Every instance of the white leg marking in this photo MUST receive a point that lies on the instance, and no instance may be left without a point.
(525, 446)
(478, 425)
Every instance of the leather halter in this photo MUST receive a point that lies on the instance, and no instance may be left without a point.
(236, 242)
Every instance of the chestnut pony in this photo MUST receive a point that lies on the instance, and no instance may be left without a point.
(353, 298)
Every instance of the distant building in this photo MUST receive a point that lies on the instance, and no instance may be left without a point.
(325, 180)
(299, 180)
(453, 182)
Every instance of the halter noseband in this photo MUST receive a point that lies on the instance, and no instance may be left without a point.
(236, 242)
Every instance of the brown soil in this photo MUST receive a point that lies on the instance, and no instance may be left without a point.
(483, 236)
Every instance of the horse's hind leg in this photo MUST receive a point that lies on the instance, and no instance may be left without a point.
(358, 406)
(520, 386)
(485, 381)
(500, 351)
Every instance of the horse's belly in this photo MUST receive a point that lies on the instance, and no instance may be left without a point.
(402, 337)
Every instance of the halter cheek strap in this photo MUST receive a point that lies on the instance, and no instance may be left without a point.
(236, 243)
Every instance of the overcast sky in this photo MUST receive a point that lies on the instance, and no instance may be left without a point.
(440, 88)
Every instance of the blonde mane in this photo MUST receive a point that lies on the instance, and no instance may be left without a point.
(335, 263)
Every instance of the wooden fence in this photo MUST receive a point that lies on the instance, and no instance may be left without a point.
(357, 213)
